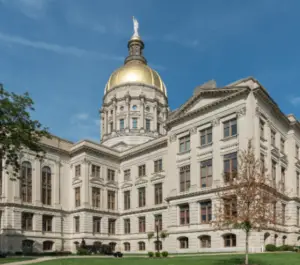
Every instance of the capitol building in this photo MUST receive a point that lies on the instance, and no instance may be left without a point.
(154, 169)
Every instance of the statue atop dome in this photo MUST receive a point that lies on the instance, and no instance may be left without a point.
(135, 28)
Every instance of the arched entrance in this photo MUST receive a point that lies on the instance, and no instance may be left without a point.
(27, 246)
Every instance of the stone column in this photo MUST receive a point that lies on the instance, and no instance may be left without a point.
(85, 186)
(142, 120)
(103, 121)
(36, 182)
(106, 121)
(128, 115)
(114, 116)
(155, 117)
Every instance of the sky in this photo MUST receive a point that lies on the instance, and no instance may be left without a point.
(63, 51)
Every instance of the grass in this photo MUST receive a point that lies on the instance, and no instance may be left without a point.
(8, 260)
(234, 259)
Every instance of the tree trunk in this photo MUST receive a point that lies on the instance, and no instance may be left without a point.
(247, 248)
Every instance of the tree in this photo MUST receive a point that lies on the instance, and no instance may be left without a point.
(17, 130)
(248, 198)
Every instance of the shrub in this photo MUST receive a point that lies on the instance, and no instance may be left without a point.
(150, 254)
(82, 251)
(150, 235)
(165, 254)
(157, 254)
(18, 253)
(271, 247)
(286, 248)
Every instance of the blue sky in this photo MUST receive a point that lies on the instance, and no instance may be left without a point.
(63, 51)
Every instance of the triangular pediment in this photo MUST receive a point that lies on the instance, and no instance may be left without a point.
(120, 146)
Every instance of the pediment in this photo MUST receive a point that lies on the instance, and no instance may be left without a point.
(120, 146)
(127, 185)
(97, 181)
(141, 181)
(76, 181)
(112, 184)
(206, 97)
(158, 176)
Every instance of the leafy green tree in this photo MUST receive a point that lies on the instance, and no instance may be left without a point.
(17, 129)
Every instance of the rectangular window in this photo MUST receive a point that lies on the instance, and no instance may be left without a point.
(158, 167)
(230, 128)
(127, 174)
(282, 179)
(274, 213)
(96, 224)
(111, 196)
(283, 213)
(134, 123)
(110, 175)
(111, 226)
(298, 216)
(262, 129)
(27, 219)
(297, 151)
(230, 208)
(205, 211)
(127, 200)
(206, 136)
(142, 196)
(158, 222)
(121, 124)
(185, 181)
(184, 211)
(158, 193)
(148, 125)
(77, 171)
(273, 174)
(96, 197)
(142, 170)
(111, 126)
(142, 224)
(184, 144)
(262, 164)
(158, 127)
(230, 167)
(298, 183)
(206, 173)
(77, 197)
(273, 138)
(95, 171)
(47, 223)
(77, 224)
(282, 143)
(126, 226)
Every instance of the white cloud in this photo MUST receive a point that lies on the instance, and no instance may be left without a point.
(31, 8)
(295, 101)
(189, 43)
(56, 48)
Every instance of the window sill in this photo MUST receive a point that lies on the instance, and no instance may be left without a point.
(205, 145)
(184, 152)
(229, 138)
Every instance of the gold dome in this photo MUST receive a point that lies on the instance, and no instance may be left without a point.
(135, 72)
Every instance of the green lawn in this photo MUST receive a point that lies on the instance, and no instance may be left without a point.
(260, 259)
(8, 260)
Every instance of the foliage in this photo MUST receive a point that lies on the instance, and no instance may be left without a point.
(165, 254)
(163, 234)
(285, 248)
(150, 235)
(247, 198)
(157, 254)
(271, 247)
(17, 130)
(150, 254)
(83, 251)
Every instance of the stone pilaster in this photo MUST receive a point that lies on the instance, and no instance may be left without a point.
(36, 182)
(85, 187)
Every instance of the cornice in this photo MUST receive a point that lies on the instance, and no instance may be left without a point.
(145, 210)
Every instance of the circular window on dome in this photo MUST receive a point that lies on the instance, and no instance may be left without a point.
(147, 108)
(121, 108)
(134, 107)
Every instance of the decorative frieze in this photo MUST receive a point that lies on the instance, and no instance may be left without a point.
(215, 122)
(193, 130)
(172, 138)
(241, 112)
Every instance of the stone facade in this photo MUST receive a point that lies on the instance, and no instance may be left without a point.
(117, 191)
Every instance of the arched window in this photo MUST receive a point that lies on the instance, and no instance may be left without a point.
(126, 246)
(266, 237)
(47, 245)
(113, 245)
(27, 246)
(46, 185)
(229, 240)
(157, 244)
(183, 242)
(26, 182)
(283, 240)
(142, 246)
(275, 239)
(205, 241)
